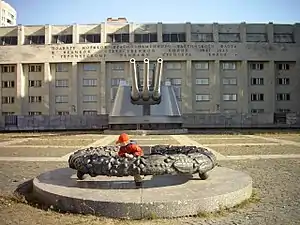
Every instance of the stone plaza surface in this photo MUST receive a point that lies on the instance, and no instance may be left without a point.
(162, 196)
(274, 172)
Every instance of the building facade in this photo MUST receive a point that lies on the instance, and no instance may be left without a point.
(8, 14)
(248, 70)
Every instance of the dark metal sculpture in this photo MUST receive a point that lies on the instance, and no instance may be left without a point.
(104, 160)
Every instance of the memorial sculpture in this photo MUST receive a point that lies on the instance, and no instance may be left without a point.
(104, 160)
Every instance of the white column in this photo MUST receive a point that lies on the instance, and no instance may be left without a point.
(22, 90)
(102, 94)
(47, 91)
(75, 106)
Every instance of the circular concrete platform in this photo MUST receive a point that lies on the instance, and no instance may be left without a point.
(161, 196)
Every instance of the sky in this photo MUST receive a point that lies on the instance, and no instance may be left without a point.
(63, 12)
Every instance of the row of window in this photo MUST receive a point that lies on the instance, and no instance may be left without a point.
(63, 67)
(149, 38)
(60, 113)
(253, 97)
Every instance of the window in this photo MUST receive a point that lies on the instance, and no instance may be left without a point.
(90, 98)
(9, 40)
(118, 67)
(257, 81)
(61, 67)
(229, 97)
(283, 38)
(62, 113)
(90, 112)
(283, 97)
(117, 38)
(8, 113)
(228, 65)
(202, 97)
(257, 110)
(174, 37)
(201, 65)
(89, 82)
(34, 40)
(283, 66)
(8, 100)
(62, 39)
(90, 38)
(227, 37)
(61, 83)
(257, 97)
(283, 110)
(253, 37)
(89, 67)
(229, 110)
(8, 68)
(205, 37)
(35, 83)
(229, 81)
(283, 81)
(35, 99)
(256, 66)
(35, 68)
(61, 99)
(173, 66)
(8, 84)
(116, 81)
(175, 81)
(202, 81)
(33, 113)
(145, 38)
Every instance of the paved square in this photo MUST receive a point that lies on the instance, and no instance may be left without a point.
(276, 180)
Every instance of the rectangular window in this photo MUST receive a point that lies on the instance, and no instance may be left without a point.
(283, 110)
(90, 112)
(62, 83)
(229, 97)
(256, 66)
(253, 37)
(117, 38)
(202, 97)
(35, 68)
(8, 113)
(8, 100)
(283, 97)
(61, 99)
(202, 81)
(118, 67)
(89, 82)
(61, 67)
(89, 67)
(145, 38)
(90, 38)
(257, 81)
(257, 97)
(227, 37)
(283, 38)
(283, 66)
(33, 113)
(8, 84)
(202, 37)
(229, 65)
(9, 40)
(257, 111)
(34, 40)
(35, 83)
(173, 66)
(174, 37)
(229, 81)
(7, 68)
(175, 81)
(116, 81)
(201, 65)
(62, 39)
(62, 113)
(283, 81)
(35, 99)
(90, 98)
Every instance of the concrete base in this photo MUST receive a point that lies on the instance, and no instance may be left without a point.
(161, 196)
(148, 132)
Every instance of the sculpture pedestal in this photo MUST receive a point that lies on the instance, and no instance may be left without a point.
(160, 197)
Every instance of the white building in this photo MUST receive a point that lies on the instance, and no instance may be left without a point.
(8, 14)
